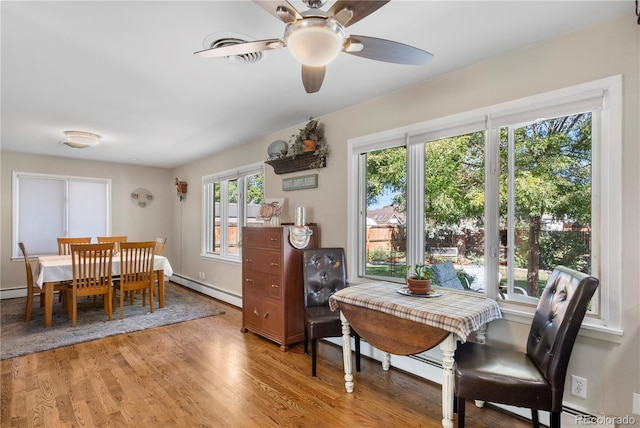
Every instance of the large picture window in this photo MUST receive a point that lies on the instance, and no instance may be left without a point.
(46, 207)
(504, 193)
(231, 200)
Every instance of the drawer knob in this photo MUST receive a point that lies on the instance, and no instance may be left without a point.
(266, 315)
(274, 264)
(249, 280)
(255, 312)
(248, 260)
(274, 286)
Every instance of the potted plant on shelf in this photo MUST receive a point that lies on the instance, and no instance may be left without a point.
(419, 278)
(321, 152)
(307, 139)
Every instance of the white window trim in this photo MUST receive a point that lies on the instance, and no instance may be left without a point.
(231, 174)
(608, 194)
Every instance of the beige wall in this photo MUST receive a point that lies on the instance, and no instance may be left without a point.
(127, 218)
(612, 369)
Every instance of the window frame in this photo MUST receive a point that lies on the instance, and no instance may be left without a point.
(66, 180)
(606, 191)
(208, 213)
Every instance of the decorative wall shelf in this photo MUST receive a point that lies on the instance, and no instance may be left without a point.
(301, 162)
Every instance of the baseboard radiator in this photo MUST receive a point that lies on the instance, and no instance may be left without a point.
(208, 289)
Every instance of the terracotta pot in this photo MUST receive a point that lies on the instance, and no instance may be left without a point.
(419, 285)
(310, 145)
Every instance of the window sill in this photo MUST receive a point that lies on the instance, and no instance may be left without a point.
(224, 259)
(591, 327)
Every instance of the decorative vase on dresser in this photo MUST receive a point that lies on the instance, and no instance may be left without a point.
(272, 284)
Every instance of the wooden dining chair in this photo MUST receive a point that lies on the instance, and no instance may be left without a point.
(32, 289)
(64, 244)
(160, 243)
(117, 240)
(91, 265)
(136, 272)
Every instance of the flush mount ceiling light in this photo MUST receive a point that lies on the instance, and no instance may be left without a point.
(80, 139)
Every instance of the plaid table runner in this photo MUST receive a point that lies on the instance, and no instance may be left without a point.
(455, 311)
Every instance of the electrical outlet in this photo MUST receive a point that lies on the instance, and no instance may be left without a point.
(636, 403)
(578, 386)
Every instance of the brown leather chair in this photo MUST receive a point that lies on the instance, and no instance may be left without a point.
(534, 379)
(324, 273)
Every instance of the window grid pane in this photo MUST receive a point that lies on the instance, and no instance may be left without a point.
(546, 168)
(216, 217)
(385, 237)
(233, 216)
(454, 208)
(254, 191)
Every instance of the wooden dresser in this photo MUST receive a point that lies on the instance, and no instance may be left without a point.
(272, 284)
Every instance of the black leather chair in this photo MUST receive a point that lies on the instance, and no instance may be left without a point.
(534, 379)
(324, 273)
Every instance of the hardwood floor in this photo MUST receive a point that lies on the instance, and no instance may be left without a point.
(207, 373)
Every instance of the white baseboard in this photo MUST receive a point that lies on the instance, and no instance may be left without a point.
(209, 290)
(12, 293)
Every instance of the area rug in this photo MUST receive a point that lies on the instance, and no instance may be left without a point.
(19, 338)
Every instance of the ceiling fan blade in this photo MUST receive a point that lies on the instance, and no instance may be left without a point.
(348, 12)
(386, 50)
(241, 48)
(312, 78)
(280, 9)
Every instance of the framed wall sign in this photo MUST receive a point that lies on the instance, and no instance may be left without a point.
(301, 182)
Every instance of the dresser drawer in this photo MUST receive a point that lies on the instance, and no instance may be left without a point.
(263, 316)
(261, 238)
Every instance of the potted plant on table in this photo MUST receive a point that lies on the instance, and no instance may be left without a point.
(419, 278)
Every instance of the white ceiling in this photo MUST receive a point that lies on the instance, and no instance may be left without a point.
(126, 69)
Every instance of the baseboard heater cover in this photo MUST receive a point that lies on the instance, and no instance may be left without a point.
(208, 289)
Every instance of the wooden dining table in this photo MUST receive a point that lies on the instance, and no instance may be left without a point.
(391, 319)
(52, 269)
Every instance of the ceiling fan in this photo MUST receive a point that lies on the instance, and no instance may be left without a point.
(315, 38)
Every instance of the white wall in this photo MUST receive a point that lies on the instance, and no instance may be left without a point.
(612, 369)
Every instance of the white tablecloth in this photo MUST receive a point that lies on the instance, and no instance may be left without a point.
(58, 268)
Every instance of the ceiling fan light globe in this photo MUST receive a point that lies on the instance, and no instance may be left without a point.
(314, 42)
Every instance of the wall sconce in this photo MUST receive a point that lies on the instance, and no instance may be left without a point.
(181, 187)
